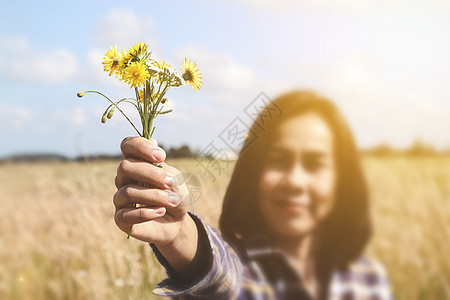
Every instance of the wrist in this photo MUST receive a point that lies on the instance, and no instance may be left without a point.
(189, 265)
(180, 251)
(176, 239)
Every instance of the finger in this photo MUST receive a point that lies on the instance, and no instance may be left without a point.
(141, 148)
(134, 138)
(132, 170)
(151, 232)
(128, 216)
(132, 193)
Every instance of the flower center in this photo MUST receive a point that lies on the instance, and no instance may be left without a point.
(188, 76)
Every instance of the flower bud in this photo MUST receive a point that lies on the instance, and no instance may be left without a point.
(163, 100)
(111, 112)
(104, 117)
(81, 94)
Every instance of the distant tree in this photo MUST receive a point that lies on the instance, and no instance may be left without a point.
(382, 150)
(182, 152)
(98, 157)
(420, 148)
(39, 157)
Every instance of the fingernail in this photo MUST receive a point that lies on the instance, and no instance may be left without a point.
(154, 141)
(174, 199)
(158, 155)
(160, 211)
(169, 181)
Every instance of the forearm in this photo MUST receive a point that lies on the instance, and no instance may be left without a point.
(214, 273)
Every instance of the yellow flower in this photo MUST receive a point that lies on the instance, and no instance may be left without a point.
(167, 73)
(138, 51)
(176, 79)
(161, 64)
(154, 96)
(163, 70)
(135, 74)
(111, 60)
(152, 70)
(125, 58)
(141, 96)
(191, 74)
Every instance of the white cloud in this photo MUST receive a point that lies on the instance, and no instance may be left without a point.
(222, 73)
(123, 28)
(76, 116)
(383, 99)
(347, 6)
(14, 44)
(14, 118)
(180, 112)
(188, 113)
(92, 70)
(376, 70)
(21, 118)
(26, 64)
(320, 5)
(56, 66)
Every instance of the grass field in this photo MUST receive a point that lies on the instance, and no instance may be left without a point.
(58, 238)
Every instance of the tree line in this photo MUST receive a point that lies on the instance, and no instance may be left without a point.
(417, 149)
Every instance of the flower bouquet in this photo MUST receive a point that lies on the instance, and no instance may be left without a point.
(150, 79)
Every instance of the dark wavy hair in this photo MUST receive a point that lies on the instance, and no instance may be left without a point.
(343, 235)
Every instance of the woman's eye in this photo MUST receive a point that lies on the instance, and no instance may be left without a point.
(314, 165)
(278, 162)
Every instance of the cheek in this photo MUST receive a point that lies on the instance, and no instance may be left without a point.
(266, 188)
(268, 182)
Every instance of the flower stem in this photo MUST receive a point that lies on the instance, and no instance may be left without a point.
(117, 109)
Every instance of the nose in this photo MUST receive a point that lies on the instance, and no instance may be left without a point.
(296, 178)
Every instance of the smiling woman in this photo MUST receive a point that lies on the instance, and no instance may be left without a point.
(297, 185)
(299, 188)
(295, 218)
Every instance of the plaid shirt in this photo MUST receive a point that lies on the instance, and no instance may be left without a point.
(266, 274)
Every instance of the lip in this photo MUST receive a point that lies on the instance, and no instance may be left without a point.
(293, 207)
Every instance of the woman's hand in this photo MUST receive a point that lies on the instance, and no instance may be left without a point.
(163, 208)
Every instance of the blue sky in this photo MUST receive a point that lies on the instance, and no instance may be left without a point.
(387, 65)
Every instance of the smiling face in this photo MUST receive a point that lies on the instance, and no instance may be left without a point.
(298, 181)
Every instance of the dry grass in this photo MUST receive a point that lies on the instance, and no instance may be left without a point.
(411, 207)
(59, 241)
